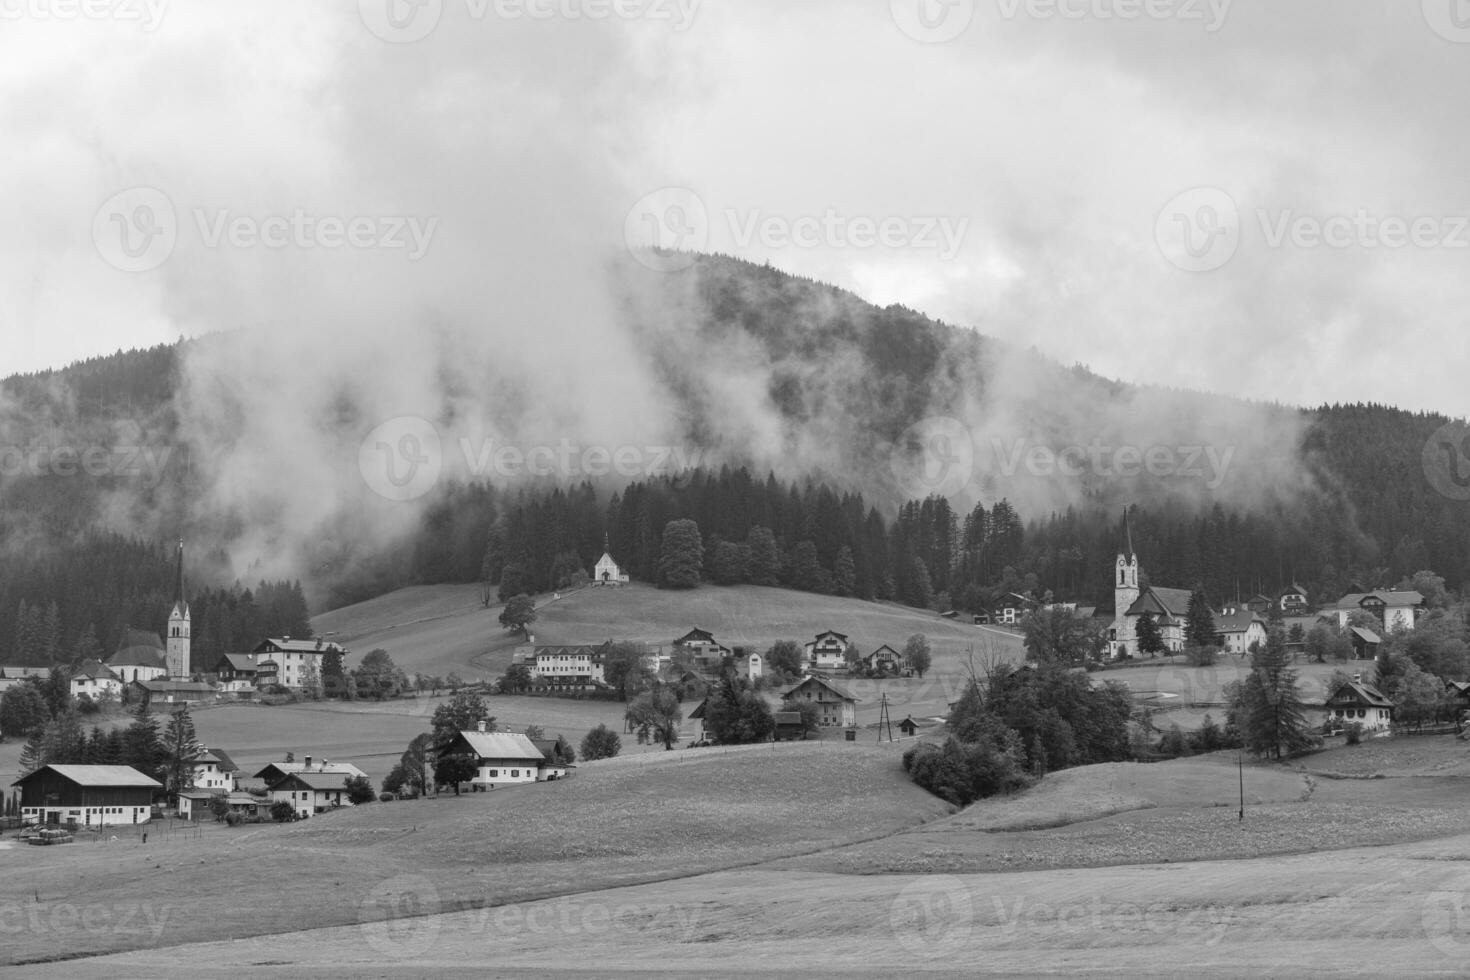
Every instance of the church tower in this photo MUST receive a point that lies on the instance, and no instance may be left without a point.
(1125, 594)
(177, 648)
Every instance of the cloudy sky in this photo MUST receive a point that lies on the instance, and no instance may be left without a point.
(1261, 197)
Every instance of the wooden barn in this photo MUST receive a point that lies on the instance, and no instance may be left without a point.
(86, 795)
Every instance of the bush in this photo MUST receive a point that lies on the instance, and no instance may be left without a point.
(1202, 656)
(281, 811)
(963, 773)
(601, 743)
(359, 789)
(1354, 732)
(386, 797)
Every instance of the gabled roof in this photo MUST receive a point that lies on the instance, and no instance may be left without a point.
(239, 662)
(95, 669)
(313, 779)
(698, 712)
(696, 635)
(1359, 694)
(274, 770)
(1237, 622)
(547, 747)
(892, 652)
(23, 672)
(834, 688)
(499, 745)
(1389, 597)
(826, 633)
(97, 776)
(1161, 601)
(288, 645)
(176, 687)
(220, 758)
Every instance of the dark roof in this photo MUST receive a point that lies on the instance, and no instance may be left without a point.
(275, 770)
(1157, 599)
(176, 687)
(241, 662)
(1367, 635)
(288, 645)
(1389, 597)
(140, 653)
(696, 635)
(1237, 622)
(1362, 695)
(698, 711)
(92, 668)
(100, 776)
(220, 758)
(840, 636)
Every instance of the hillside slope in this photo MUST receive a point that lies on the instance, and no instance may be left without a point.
(443, 628)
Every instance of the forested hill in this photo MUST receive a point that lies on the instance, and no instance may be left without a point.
(1324, 497)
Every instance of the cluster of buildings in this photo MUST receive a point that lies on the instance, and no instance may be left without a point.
(100, 796)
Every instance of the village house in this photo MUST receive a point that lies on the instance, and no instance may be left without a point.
(13, 676)
(697, 716)
(196, 804)
(558, 764)
(86, 795)
(908, 727)
(95, 679)
(836, 708)
(1362, 703)
(701, 648)
(1293, 601)
(750, 666)
(275, 771)
(295, 661)
(1169, 607)
(828, 651)
(570, 666)
(310, 791)
(886, 659)
(501, 758)
(1237, 629)
(214, 770)
(237, 673)
(1394, 609)
(1011, 608)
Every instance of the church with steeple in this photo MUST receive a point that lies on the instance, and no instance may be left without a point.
(176, 647)
(1170, 607)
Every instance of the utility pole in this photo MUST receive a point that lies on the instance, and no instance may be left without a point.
(883, 719)
(1240, 768)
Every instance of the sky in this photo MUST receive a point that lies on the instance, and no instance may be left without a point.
(1262, 198)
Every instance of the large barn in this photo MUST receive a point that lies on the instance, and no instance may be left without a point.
(86, 795)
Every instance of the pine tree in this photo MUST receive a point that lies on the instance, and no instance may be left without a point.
(844, 573)
(1268, 706)
(33, 754)
(1150, 638)
(1199, 624)
(765, 557)
(181, 750)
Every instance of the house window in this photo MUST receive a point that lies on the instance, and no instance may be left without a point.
(515, 774)
(494, 773)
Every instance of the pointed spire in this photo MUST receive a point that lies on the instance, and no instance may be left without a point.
(181, 607)
(1128, 531)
